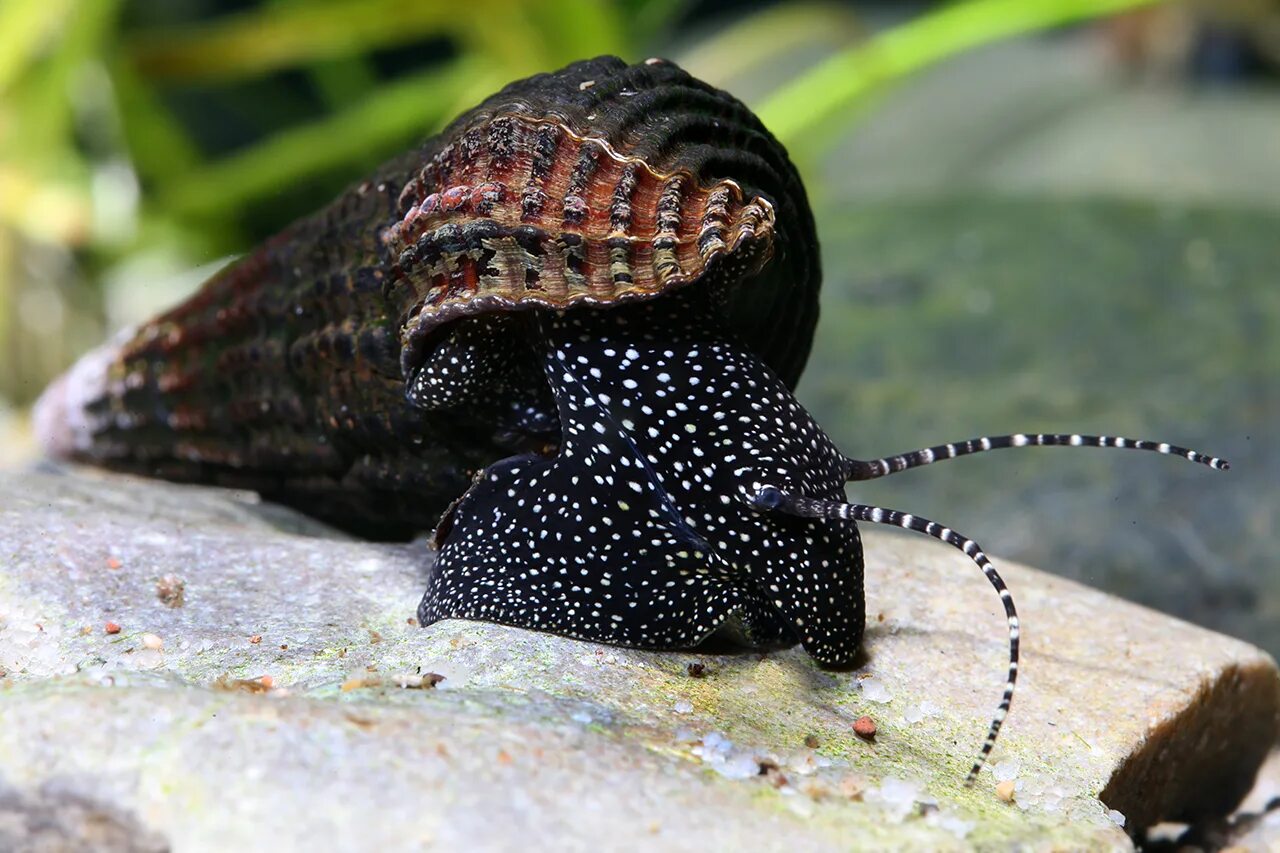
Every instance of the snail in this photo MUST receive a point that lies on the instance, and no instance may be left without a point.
(565, 331)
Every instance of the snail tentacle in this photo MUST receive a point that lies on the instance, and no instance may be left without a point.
(870, 469)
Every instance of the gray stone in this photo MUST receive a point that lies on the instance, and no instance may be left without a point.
(286, 701)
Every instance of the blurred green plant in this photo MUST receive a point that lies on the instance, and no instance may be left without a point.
(843, 83)
(109, 187)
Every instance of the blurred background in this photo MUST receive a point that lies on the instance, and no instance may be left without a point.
(1057, 215)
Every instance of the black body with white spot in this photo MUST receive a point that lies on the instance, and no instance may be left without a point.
(641, 530)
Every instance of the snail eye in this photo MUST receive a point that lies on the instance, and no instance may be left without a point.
(767, 498)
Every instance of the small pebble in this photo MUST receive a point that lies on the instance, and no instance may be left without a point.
(358, 684)
(811, 741)
(697, 670)
(683, 706)
(171, 590)
(852, 787)
(875, 690)
(743, 765)
(715, 742)
(113, 563)
(865, 728)
(112, 628)
(1006, 770)
(247, 685)
(917, 712)
(424, 681)
(255, 639)
(153, 642)
(898, 797)
(1005, 790)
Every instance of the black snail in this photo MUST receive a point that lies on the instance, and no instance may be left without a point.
(581, 308)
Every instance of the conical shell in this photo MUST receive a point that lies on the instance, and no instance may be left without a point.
(597, 184)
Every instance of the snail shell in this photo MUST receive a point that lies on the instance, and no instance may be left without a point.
(599, 184)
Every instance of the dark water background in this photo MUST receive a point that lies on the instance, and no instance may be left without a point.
(948, 319)
(1020, 240)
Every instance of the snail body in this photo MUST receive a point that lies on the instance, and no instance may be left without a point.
(571, 322)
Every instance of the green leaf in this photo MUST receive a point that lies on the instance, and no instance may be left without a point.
(753, 41)
(159, 147)
(248, 44)
(25, 27)
(837, 85)
(414, 104)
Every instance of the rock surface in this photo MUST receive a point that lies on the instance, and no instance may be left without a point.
(265, 688)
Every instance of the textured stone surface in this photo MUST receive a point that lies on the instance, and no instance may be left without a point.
(280, 700)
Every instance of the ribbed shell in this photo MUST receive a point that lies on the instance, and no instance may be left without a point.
(286, 372)
(602, 183)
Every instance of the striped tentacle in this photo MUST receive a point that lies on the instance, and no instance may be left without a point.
(858, 469)
(772, 498)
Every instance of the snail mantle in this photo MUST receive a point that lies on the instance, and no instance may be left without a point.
(189, 667)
